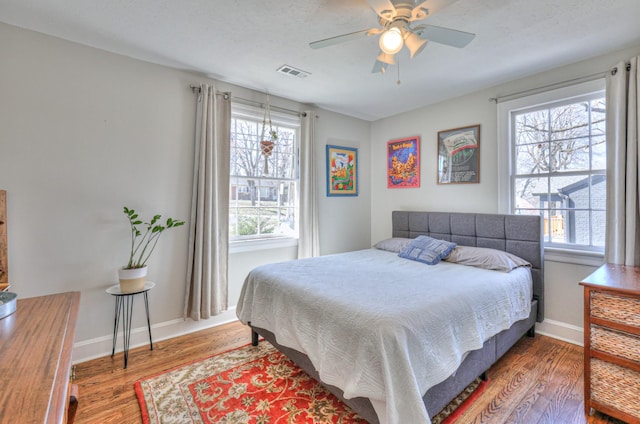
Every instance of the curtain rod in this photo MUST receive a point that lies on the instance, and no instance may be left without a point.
(560, 84)
(615, 70)
(196, 89)
(585, 78)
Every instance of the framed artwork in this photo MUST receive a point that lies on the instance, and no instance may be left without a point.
(459, 155)
(342, 171)
(403, 163)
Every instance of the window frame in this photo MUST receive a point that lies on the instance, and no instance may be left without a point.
(565, 253)
(260, 242)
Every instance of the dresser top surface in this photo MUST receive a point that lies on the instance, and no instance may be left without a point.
(35, 356)
(614, 277)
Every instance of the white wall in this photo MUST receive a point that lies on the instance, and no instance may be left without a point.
(563, 295)
(345, 222)
(426, 123)
(83, 133)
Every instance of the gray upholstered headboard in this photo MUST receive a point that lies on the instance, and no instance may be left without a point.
(517, 234)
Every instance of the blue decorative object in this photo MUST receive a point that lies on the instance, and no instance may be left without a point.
(427, 250)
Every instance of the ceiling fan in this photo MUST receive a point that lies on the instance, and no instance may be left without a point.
(396, 18)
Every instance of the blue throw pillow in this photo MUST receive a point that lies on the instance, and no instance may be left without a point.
(427, 250)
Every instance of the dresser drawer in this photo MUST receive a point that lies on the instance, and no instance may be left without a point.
(615, 386)
(617, 343)
(621, 309)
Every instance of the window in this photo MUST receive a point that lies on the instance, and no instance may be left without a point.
(557, 164)
(263, 201)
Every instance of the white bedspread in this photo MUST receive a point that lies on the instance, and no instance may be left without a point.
(382, 327)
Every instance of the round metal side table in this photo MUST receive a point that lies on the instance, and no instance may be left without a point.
(124, 308)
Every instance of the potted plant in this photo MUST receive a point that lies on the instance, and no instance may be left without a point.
(134, 275)
(267, 143)
(266, 146)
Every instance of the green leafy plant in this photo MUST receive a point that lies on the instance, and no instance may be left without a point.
(144, 241)
(248, 225)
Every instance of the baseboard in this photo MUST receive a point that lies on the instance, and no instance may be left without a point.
(561, 331)
(102, 346)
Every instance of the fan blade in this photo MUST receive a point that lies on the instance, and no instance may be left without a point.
(379, 67)
(343, 38)
(429, 8)
(384, 8)
(447, 36)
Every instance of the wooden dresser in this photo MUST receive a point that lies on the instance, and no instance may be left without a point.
(35, 359)
(612, 342)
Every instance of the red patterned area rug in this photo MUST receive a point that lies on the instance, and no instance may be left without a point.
(252, 385)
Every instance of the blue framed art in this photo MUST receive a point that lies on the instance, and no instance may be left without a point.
(342, 171)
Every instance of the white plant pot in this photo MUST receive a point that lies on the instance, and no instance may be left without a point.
(132, 280)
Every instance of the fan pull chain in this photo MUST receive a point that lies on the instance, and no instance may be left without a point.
(398, 82)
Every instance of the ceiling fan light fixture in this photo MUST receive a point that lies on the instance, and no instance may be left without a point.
(391, 41)
(415, 44)
(386, 58)
(379, 67)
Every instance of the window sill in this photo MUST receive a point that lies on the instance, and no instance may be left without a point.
(578, 257)
(261, 244)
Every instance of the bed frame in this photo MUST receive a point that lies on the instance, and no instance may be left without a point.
(517, 234)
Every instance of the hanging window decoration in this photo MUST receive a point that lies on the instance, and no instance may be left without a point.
(268, 141)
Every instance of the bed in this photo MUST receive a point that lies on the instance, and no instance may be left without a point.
(377, 332)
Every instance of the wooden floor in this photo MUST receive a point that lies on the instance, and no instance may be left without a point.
(540, 380)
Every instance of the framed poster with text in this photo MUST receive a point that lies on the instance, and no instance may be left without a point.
(459, 155)
(403, 163)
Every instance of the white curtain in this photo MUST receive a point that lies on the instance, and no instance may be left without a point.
(623, 192)
(308, 243)
(206, 291)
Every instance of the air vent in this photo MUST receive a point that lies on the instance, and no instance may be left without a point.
(290, 70)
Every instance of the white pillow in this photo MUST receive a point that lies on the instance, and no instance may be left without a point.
(394, 244)
(486, 258)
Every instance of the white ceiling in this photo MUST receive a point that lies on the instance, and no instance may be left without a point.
(245, 41)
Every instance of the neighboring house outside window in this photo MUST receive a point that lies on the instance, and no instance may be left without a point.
(263, 202)
(571, 223)
(554, 147)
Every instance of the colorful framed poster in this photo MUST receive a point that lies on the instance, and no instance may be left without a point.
(342, 171)
(459, 155)
(403, 163)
